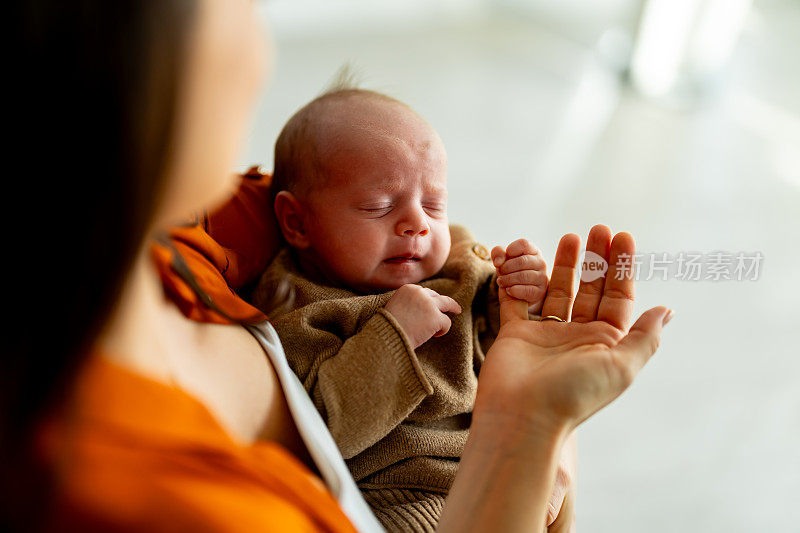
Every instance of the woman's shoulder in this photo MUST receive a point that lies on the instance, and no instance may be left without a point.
(134, 453)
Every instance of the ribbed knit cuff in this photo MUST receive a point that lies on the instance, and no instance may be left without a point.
(399, 348)
(406, 510)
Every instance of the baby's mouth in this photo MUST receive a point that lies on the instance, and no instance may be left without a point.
(402, 260)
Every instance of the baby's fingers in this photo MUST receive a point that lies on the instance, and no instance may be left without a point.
(523, 262)
(528, 293)
(523, 277)
(498, 256)
(445, 304)
(521, 247)
(444, 325)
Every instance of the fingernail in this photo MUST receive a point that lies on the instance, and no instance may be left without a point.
(667, 317)
(497, 261)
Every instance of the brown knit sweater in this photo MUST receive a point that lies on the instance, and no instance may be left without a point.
(400, 416)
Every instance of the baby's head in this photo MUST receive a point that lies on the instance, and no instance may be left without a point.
(361, 191)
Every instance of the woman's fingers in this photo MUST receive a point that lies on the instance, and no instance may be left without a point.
(616, 305)
(561, 290)
(641, 342)
(565, 521)
(559, 512)
(590, 292)
(511, 307)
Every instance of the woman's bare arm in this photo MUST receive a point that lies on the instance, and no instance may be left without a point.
(505, 478)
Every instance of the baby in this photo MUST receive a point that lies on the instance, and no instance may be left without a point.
(392, 310)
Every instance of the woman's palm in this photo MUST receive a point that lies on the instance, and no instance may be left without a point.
(566, 371)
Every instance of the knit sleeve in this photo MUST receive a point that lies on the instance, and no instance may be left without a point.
(371, 384)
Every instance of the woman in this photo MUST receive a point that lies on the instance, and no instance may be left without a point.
(117, 411)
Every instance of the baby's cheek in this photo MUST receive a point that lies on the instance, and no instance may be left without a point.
(442, 249)
(352, 266)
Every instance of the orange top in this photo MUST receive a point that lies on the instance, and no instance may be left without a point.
(134, 454)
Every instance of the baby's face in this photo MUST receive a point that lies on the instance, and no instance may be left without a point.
(380, 219)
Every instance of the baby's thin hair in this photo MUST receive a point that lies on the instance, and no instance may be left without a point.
(347, 78)
(297, 161)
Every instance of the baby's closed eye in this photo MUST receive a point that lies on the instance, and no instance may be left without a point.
(376, 210)
(435, 209)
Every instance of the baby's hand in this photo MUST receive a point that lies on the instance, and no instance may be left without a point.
(421, 312)
(522, 272)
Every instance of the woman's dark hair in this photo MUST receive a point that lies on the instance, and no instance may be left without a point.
(91, 111)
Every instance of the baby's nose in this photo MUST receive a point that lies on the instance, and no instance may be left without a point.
(413, 226)
(413, 233)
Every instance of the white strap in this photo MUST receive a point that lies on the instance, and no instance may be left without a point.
(315, 434)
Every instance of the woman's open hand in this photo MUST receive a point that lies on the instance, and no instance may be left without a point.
(539, 381)
(560, 373)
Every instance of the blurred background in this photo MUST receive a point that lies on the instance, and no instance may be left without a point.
(675, 120)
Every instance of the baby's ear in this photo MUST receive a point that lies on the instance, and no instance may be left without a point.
(291, 214)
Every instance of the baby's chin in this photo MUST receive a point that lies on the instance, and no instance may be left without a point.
(397, 276)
